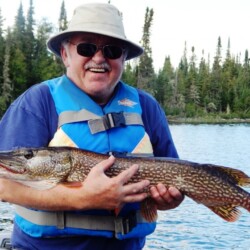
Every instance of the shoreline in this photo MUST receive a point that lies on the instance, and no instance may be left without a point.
(206, 120)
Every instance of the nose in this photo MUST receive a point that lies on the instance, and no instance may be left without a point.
(98, 56)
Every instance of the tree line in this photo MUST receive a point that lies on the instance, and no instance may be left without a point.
(194, 88)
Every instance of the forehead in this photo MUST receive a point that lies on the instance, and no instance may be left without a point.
(94, 38)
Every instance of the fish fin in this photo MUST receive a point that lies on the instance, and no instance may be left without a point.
(229, 213)
(237, 176)
(240, 177)
(75, 184)
(149, 210)
(117, 210)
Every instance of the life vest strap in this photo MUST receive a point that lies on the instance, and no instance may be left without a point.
(62, 219)
(114, 120)
(75, 116)
(100, 123)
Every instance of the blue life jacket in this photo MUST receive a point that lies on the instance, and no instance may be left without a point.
(86, 125)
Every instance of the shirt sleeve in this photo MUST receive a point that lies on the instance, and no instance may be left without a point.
(156, 125)
(30, 121)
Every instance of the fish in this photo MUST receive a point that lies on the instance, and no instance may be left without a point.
(219, 188)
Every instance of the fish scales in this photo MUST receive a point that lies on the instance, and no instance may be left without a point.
(216, 187)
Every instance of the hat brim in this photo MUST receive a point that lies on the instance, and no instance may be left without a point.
(54, 43)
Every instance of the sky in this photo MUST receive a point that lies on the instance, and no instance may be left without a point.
(198, 23)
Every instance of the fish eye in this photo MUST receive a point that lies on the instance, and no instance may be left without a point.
(29, 154)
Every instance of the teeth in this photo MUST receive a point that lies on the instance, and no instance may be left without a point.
(97, 70)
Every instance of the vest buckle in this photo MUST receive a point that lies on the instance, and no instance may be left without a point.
(113, 120)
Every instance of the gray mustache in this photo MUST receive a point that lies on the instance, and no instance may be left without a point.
(103, 65)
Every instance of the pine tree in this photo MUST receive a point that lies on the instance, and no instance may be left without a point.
(165, 90)
(192, 88)
(6, 91)
(181, 81)
(30, 46)
(229, 75)
(19, 28)
(18, 62)
(145, 68)
(46, 66)
(215, 89)
(242, 98)
(2, 47)
(63, 23)
(129, 74)
(203, 79)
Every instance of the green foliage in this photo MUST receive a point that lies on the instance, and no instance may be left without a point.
(26, 59)
(2, 46)
(6, 90)
(193, 89)
(129, 74)
(63, 23)
(146, 75)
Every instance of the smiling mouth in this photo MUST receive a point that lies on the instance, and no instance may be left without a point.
(98, 70)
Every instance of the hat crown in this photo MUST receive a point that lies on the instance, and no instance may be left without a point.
(99, 18)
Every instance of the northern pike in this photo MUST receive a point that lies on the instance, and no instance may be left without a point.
(216, 187)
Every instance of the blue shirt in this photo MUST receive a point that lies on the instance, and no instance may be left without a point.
(32, 120)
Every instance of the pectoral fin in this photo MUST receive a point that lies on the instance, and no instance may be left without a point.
(118, 209)
(149, 210)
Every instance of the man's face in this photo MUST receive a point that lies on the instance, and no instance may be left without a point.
(95, 75)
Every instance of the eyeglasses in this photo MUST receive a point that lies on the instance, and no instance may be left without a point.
(108, 51)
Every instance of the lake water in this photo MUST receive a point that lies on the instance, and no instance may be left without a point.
(193, 226)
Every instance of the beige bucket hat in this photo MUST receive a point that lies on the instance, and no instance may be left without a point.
(99, 18)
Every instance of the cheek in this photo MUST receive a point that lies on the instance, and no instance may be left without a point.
(76, 64)
(117, 69)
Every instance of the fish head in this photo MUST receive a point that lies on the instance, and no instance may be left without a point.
(34, 164)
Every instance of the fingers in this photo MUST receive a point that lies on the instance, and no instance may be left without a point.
(135, 192)
(117, 189)
(127, 174)
(124, 176)
(166, 198)
(135, 198)
(174, 192)
(105, 164)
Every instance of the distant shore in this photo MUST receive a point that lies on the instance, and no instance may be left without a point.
(206, 120)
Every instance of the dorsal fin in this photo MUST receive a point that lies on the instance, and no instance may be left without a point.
(234, 175)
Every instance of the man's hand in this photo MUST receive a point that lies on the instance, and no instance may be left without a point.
(166, 198)
(103, 192)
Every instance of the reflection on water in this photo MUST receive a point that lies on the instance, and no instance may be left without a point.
(193, 226)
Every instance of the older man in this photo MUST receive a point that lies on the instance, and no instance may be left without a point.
(92, 109)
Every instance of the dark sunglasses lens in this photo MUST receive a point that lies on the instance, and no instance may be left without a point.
(112, 51)
(86, 49)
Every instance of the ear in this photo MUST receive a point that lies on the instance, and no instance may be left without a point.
(64, 56)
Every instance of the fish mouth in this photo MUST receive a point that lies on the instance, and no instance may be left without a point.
(15, 166)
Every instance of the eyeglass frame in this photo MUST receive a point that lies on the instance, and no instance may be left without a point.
(101, 47)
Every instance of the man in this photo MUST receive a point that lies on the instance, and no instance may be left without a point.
(89, 108)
